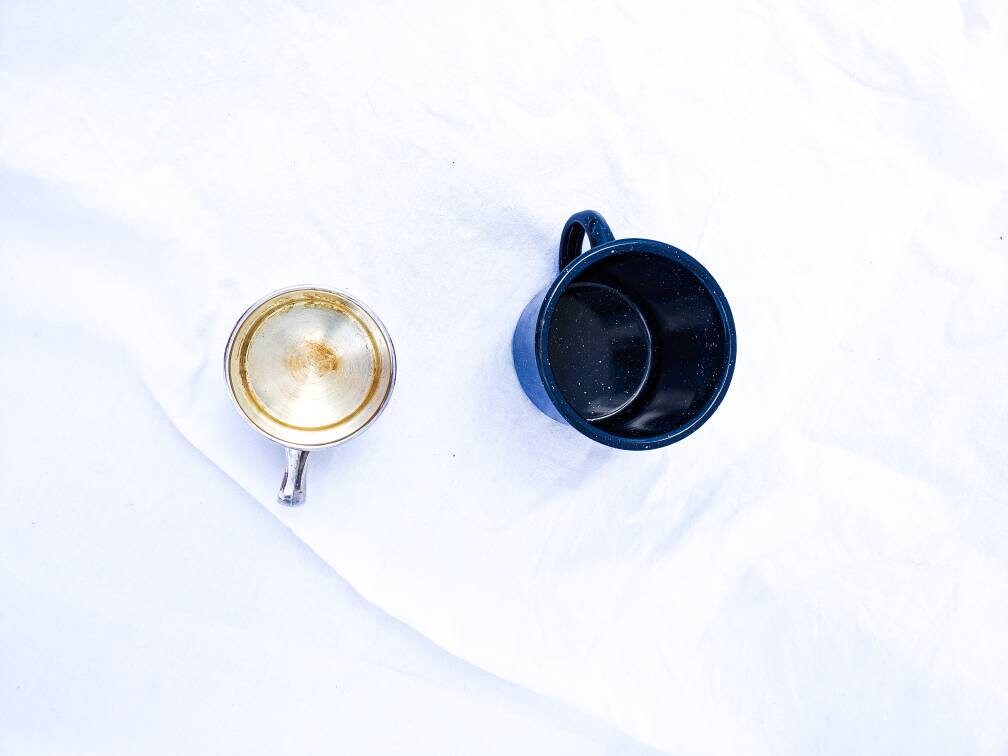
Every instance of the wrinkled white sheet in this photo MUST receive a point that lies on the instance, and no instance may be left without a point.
(161, 611)
(821, 569)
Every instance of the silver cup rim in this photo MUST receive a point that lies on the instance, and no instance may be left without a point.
(338, 293)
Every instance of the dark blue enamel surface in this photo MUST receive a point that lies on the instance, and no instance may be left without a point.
(633, 344)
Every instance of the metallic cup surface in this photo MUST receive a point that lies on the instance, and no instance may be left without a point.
(309, 368)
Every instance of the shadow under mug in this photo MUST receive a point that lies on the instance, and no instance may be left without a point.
(633, 344)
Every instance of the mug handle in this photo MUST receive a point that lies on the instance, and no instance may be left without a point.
(294, 487)
(587, 222)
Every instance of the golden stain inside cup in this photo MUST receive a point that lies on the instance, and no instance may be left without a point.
(310, 367)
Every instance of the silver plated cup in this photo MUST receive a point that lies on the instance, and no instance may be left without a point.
(309, 368)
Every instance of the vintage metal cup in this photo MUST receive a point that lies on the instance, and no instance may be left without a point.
(309, 368)
(633, 344)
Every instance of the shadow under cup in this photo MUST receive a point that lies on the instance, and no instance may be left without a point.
(633, 345)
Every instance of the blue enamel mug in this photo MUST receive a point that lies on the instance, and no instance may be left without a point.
(633, 344)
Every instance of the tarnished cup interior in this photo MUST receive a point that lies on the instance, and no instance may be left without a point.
(310, 367)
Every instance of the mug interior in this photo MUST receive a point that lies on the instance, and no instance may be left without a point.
(309, 367)
(638, 344)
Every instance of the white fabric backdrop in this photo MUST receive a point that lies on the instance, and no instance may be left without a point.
(163, 612)
(821, 569)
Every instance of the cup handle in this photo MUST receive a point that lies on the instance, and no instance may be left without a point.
(293, 488)
(587, 222)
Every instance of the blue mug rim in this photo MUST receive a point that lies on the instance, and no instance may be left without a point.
(546, 310)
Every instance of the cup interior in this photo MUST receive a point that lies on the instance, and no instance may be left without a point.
(638, 345)
(309, 367)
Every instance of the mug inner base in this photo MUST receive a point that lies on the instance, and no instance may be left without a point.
(600, 349)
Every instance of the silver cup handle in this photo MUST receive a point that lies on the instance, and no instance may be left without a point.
(294, 485)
